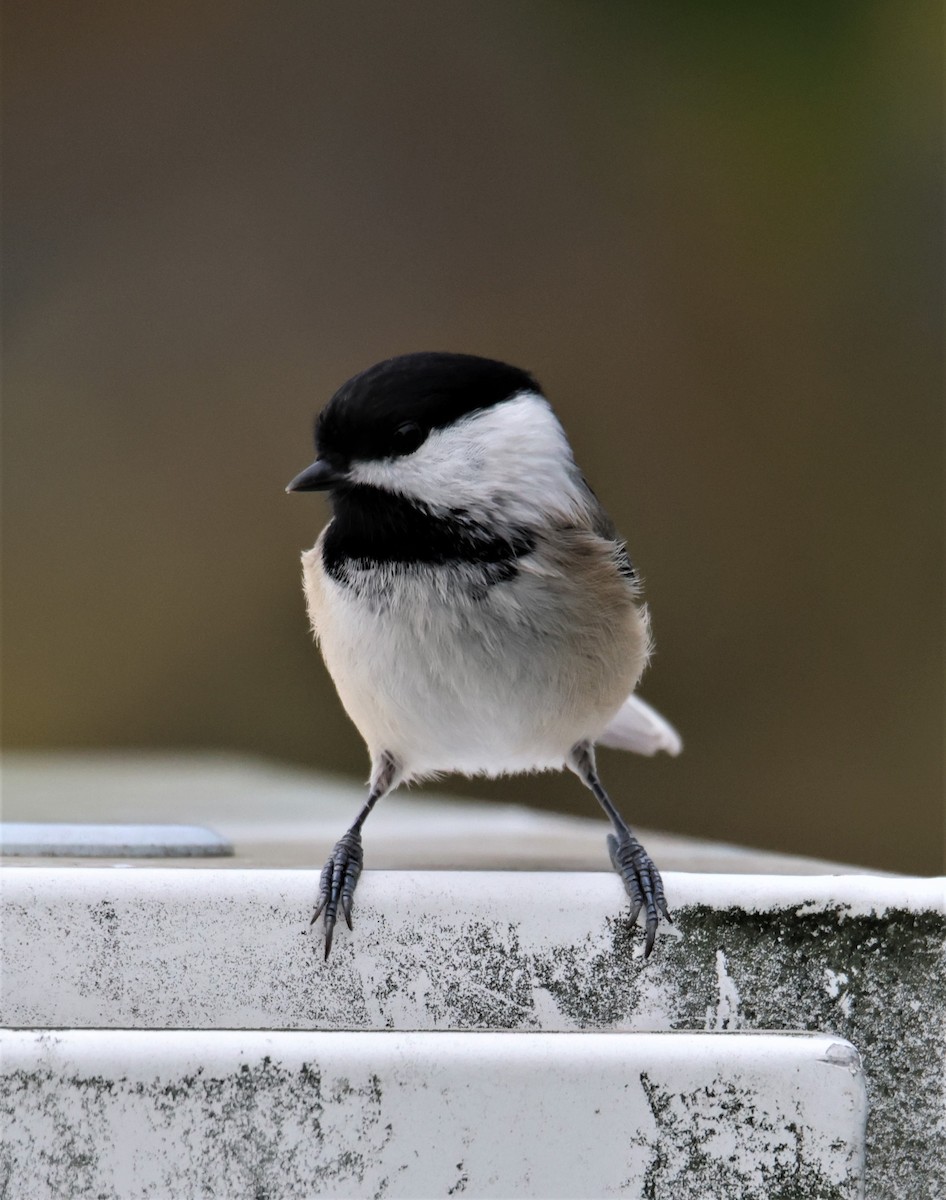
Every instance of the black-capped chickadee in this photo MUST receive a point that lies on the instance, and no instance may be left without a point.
(474, 603)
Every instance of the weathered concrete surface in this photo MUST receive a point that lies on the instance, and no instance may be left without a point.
(858, 957)
(660, 1116)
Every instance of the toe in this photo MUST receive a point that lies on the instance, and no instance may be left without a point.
(329, 934)
(325, 888)
(650, 934)
(337, 885)
(642, 883)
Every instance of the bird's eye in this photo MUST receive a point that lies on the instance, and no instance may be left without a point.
(408, 437)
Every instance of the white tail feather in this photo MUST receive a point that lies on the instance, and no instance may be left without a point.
(638, 727)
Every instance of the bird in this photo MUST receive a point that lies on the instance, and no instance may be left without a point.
(475, 606)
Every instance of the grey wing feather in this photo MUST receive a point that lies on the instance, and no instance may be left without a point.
(605, 528)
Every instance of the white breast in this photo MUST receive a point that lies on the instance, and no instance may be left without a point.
(451, 677)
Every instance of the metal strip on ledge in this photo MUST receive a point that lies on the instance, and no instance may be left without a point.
(56, 839)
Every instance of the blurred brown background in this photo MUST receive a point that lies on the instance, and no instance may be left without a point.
(712, 230)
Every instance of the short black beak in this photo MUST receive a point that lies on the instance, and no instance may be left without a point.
(318, 478)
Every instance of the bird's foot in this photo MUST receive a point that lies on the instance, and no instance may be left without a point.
(642, 883)
(337, 883)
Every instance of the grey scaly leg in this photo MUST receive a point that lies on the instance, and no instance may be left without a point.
(341, 873)
(641, 878)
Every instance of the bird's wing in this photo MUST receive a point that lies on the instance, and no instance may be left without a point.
(600, 523)
(640, 728)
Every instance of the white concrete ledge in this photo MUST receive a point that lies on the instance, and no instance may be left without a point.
(857, 957)
(157, 1114)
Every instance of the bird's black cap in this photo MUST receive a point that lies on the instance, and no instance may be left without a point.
(390, 408)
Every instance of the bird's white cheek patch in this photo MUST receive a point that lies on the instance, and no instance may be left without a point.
(510, 460)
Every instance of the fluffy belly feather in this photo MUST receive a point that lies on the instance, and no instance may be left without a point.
(451, 676)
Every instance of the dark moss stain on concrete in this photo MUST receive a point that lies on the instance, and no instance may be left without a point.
(475, 976)
(595, 988)
(104, 972)
(493, 988)
(75, 1162)
(462, 1180)
(878, 980)
(683, 1167)
(259, 1133)
(889, 1006)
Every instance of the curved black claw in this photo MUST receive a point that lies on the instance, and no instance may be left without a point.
(337, 883)
(642, 883)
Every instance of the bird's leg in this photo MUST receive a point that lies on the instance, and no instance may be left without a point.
(341, 873)
(641, 878)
